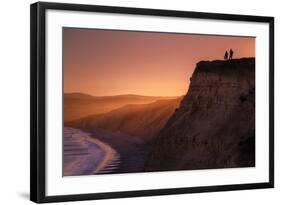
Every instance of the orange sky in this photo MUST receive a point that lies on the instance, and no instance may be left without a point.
(107, 62)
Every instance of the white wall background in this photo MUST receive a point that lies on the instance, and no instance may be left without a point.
(14, 103)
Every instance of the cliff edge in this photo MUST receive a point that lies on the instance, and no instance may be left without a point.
(214, 127)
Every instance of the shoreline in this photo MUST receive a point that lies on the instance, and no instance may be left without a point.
(84, 154)
(109, 155)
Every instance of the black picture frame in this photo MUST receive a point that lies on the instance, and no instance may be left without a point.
(38, 101)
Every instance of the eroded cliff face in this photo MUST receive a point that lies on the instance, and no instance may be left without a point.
(214, 126)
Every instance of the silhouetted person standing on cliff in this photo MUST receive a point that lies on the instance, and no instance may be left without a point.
(230, 54)
(226, 55)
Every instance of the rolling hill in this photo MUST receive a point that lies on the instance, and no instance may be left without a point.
(140, 120)
(79, 105)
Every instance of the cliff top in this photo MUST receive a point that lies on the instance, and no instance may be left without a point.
(223, 62)
(212, 66)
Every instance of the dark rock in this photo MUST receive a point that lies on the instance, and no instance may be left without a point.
(214, 127)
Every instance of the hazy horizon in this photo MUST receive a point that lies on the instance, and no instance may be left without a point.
(123, 95)
(110, 63)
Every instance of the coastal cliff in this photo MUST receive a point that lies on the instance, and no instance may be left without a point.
(214, 126)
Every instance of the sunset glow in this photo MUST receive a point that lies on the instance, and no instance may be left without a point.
(107, 62)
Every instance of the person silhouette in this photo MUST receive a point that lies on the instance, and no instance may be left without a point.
(230, 54)
(225, 55)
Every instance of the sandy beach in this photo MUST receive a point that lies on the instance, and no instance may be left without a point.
(85, 155)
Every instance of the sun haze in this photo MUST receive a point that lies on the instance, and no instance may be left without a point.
(108, 62)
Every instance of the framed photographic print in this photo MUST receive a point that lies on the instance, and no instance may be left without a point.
(129, 102)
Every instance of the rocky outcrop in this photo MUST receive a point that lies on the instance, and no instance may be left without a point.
(214, 127)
